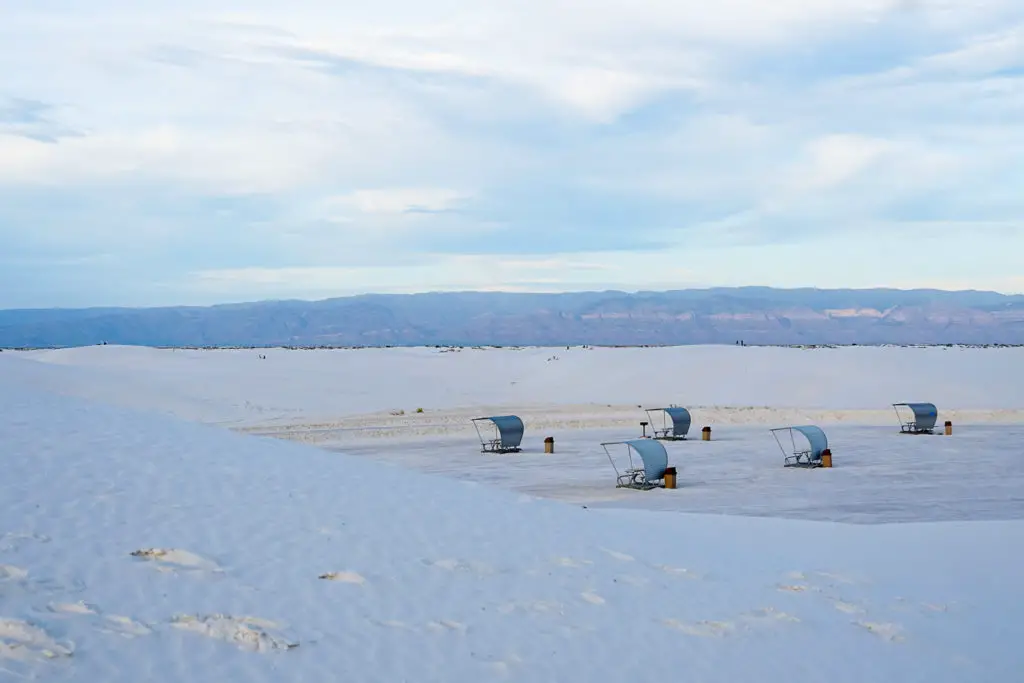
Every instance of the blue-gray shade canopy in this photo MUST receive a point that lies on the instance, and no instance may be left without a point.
(925, 415)
(509, 430)
(799, 454)
(680, 422)
(651, 453)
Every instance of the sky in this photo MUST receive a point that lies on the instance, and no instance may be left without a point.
(195, 152)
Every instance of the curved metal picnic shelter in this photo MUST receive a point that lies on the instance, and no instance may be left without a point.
(805, 451)
(916, 418)
(648, 472)
(678, 417)
(507, 434)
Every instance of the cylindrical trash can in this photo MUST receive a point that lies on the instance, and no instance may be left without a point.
(705, 434)
(670, 478)
(549, 444)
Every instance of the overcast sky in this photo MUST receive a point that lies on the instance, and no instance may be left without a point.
(205, 151)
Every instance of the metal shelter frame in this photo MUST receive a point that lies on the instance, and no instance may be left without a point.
(508, 434)
(654, 460)
(925, 415)
(680, 423)
(798, 456)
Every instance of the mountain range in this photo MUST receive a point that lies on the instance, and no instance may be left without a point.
(753, 315)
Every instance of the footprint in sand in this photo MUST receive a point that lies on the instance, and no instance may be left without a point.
(109, 623)
(454, 565)
(681, 572)
(848, 607)
(443, 625)
(886, 631)
(393, 623)
(13, 541)
(619, 556)
(246, 633)
(930, 607)
(768, 616)
(344, 577)
(173, 559)
(534, 606)
(435, 626)
(9, 572)
(800, 577)
(30, 583)
(571, 562)
(706, 629)
(79, 608)
(841, 578)
(793, 588)
(23, 642)
(638, 581)
(904, 605)
(124, 626)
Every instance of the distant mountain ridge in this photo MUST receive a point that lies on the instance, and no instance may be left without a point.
(756, 315)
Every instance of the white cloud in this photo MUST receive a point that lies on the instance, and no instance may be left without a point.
(919, 255)
(981, 55)
(850, 174)
(395, 200)
(444, 273)
(834, 159)
(396, 126)
(226, 162)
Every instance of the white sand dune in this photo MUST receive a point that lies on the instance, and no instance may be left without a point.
(236, 387)
(138, 546)
(319, 398)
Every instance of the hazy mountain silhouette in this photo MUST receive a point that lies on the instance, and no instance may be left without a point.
(757, 315)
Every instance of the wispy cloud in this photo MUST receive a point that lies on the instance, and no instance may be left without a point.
(32, 120)
(399, 200)
(195, 152)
